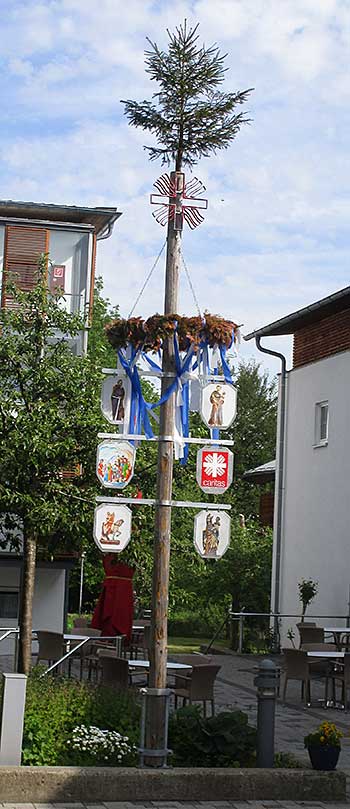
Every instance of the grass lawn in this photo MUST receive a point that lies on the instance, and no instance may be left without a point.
(188, 645)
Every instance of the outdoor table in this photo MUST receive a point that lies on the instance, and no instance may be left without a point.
(320, 653)
(337, 632)
(172, 667)
(144, 664)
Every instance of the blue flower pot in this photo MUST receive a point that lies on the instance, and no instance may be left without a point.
(324, 757)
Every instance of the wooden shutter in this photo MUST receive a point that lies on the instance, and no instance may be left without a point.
(266, 508)
(23, 248)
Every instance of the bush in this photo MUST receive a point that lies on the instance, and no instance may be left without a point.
(225, 740)
(191, 624)
(56, 706)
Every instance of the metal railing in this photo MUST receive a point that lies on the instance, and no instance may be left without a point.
(75, 646)
(242, 616)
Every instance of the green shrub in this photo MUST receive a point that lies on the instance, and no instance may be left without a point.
(190, 624)
(55, 706)
(225, 740)
(287, 761)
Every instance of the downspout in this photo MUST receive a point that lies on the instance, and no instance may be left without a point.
(280, 454)
(106, 233)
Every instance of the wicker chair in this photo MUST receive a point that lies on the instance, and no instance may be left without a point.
(114, 670)
(341, 674)
(197, 686)
(51, 646)
(78, 623)
(310, 633)
(83, 652)
(297, 666)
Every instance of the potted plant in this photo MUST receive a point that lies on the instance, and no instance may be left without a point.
(324, 745)
(308, 589)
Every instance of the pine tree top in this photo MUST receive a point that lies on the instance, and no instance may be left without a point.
(190, 116)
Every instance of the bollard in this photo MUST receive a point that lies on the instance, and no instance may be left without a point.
(12, 716)
(155, 702)
(266, 682)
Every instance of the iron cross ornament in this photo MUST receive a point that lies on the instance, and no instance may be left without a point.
(176, 200)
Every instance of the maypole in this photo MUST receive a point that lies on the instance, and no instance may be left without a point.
(190, 118)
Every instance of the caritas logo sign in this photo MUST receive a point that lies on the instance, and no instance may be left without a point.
(214, 469)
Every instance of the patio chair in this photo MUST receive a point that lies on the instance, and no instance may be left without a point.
(114, 670)
(51, 646)
(137, 642)
(297, 666)
(83, 652)
(310, 634)
(341, 673)
(197, 686)
(80, 622)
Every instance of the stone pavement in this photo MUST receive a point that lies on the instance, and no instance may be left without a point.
(178, 805)
(235, 690)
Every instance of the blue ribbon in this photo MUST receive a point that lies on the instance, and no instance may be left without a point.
(225, 366)
(138, 408)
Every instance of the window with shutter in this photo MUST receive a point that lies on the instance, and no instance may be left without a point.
(23, 248)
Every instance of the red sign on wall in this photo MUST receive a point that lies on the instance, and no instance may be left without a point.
(57, 278)
(214, 469)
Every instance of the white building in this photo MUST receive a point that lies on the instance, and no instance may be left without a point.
(312, 491)
(69, 235)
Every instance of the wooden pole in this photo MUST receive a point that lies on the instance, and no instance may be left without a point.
(160, 587)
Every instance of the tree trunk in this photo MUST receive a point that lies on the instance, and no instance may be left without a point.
(26, 604)
(155, 725)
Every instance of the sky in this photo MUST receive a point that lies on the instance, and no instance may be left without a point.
(275, 235)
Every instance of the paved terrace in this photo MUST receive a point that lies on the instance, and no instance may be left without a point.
(235, 690)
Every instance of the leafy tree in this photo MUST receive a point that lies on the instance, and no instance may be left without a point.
(242, 578)
(189, 116)
(253, 431)
(48, 423)
(103, 313)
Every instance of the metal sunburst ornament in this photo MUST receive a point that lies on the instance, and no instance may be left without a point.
(176, 200)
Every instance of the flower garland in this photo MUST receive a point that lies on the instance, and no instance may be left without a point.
(192, 331)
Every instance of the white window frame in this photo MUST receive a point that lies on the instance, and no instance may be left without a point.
(321, 441)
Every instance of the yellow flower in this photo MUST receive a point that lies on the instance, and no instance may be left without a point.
(321, 738)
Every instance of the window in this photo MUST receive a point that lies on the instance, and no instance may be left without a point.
(8, 604)
(321, 424)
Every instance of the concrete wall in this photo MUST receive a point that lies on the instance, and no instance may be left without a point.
(48, 607)
(316, 518)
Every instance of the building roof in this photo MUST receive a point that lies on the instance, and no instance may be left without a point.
(100, 218)
(331, 305)
(261, 474)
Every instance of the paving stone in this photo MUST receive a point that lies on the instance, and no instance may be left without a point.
(18, 805)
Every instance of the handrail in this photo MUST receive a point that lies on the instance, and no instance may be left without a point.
(66, 656)
(281, 615)
(241, 616)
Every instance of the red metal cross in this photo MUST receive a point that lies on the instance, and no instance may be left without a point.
(176, 200)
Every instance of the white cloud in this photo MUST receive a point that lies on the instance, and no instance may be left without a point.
(275, 235)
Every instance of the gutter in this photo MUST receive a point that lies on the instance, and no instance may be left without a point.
(105, 234)
(279, 483)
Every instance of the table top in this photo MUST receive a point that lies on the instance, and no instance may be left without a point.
(338, 629)
(320, 653)
(90, 637)
(144, 664)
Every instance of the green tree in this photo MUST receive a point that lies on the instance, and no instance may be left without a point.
(49, 419)
(242, 578)
(253, 431)
(103, 312)
(189, 116)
